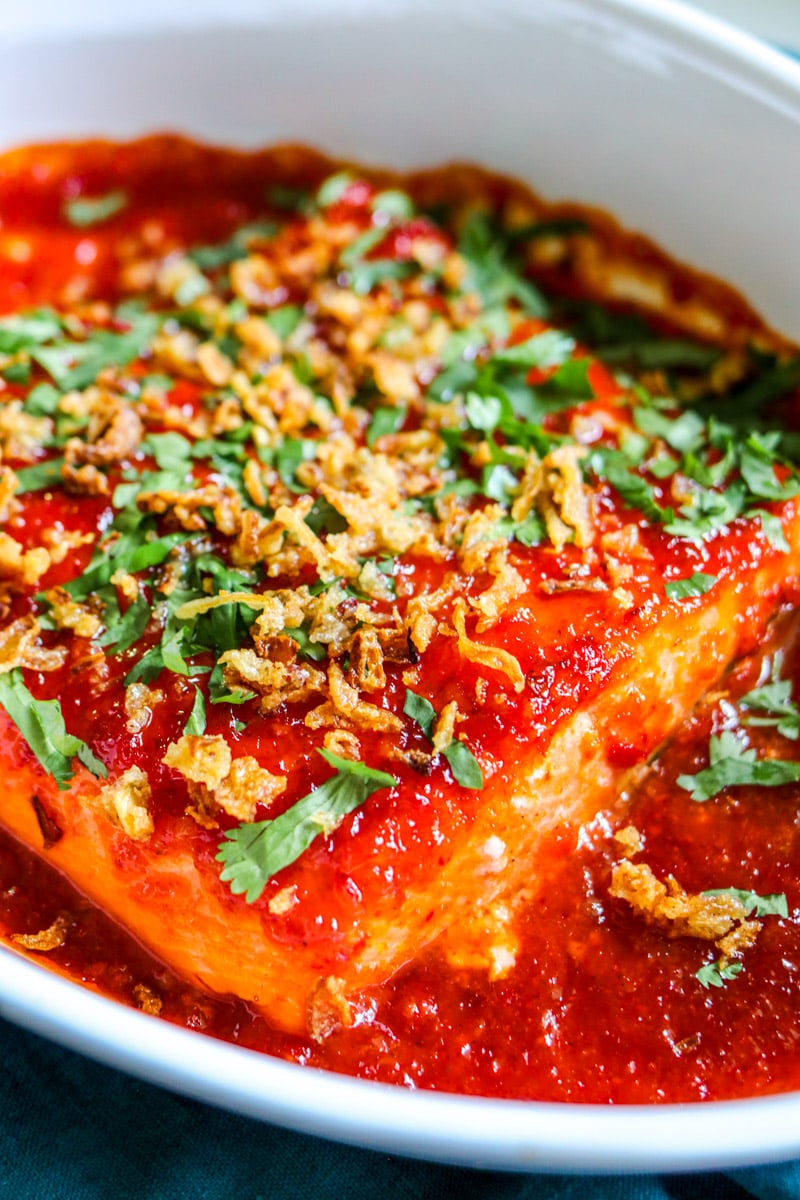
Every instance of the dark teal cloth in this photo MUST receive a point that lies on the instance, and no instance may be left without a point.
(73, 1130)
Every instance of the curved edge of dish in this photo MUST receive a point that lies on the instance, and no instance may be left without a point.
(465, 1130)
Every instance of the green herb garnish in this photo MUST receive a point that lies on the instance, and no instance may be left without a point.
(686, 589)
(41, 723)
(463, 763)
(732, 764)
(94, 210)
(253, 853)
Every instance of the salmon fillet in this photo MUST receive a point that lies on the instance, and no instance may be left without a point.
(397, 896)
(341, 589)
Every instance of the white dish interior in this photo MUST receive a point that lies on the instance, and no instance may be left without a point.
(680, 127)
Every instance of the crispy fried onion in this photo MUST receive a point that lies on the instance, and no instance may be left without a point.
(220, 783)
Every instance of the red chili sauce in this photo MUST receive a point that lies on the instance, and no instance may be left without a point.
(600, 1007)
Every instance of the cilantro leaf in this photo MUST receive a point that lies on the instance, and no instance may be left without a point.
(254, 852)
(530, 531)
(774, 699)
(464, 765)
(499, 483)
(288, 457)
(41, 723)
(40, 476)
(684, 433)
(43, 400)
(172, 451)
(685, 589)
(636, 492)
(94, 210)
(385, 421)
(706, 512)
(23, 331)
(754, 905)
(483, 412)
(77, 364)
(772, 528)
(332, 189)
(548, 349)
(316, 651)
(196, 721)
(127, 630)
(732, 765)
(369, 272)
(757, 464)
(492, 268)
(421, 711)
(393, 204)
(221, 254)
(284, 320)
(716, 974)
(324, 518)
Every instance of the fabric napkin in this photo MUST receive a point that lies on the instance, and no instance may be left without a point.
(71, 1129)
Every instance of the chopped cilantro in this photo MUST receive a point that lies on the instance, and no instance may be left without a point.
(635, 491)
(41, 723)
(43, 400)
(530, 531)
(333, 189)
(394, 204)
(717, 974)
(483, 412)
(368, 273)
(754, 905)
(221, 254)
(19, 372)
(94, 210)
(192, 288)
(465, 767)
(40, 476)
(757, 464)
(24, 331)
(772, 529)
(284, 320)
(492, 269)
(288, 457)
(385, 421)
(732, 764)
(774, 700)
(127, 630)
(324, 518)
(498, 483)
(316, 651)
(421, 711)
(355, 251)
(684, 433)
(685, 589)
(77, 364)
(196, 721)
(548, 349)
(707, 512)
(172, 451)
(252, 853)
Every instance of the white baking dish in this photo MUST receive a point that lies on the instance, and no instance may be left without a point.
(684, 129)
